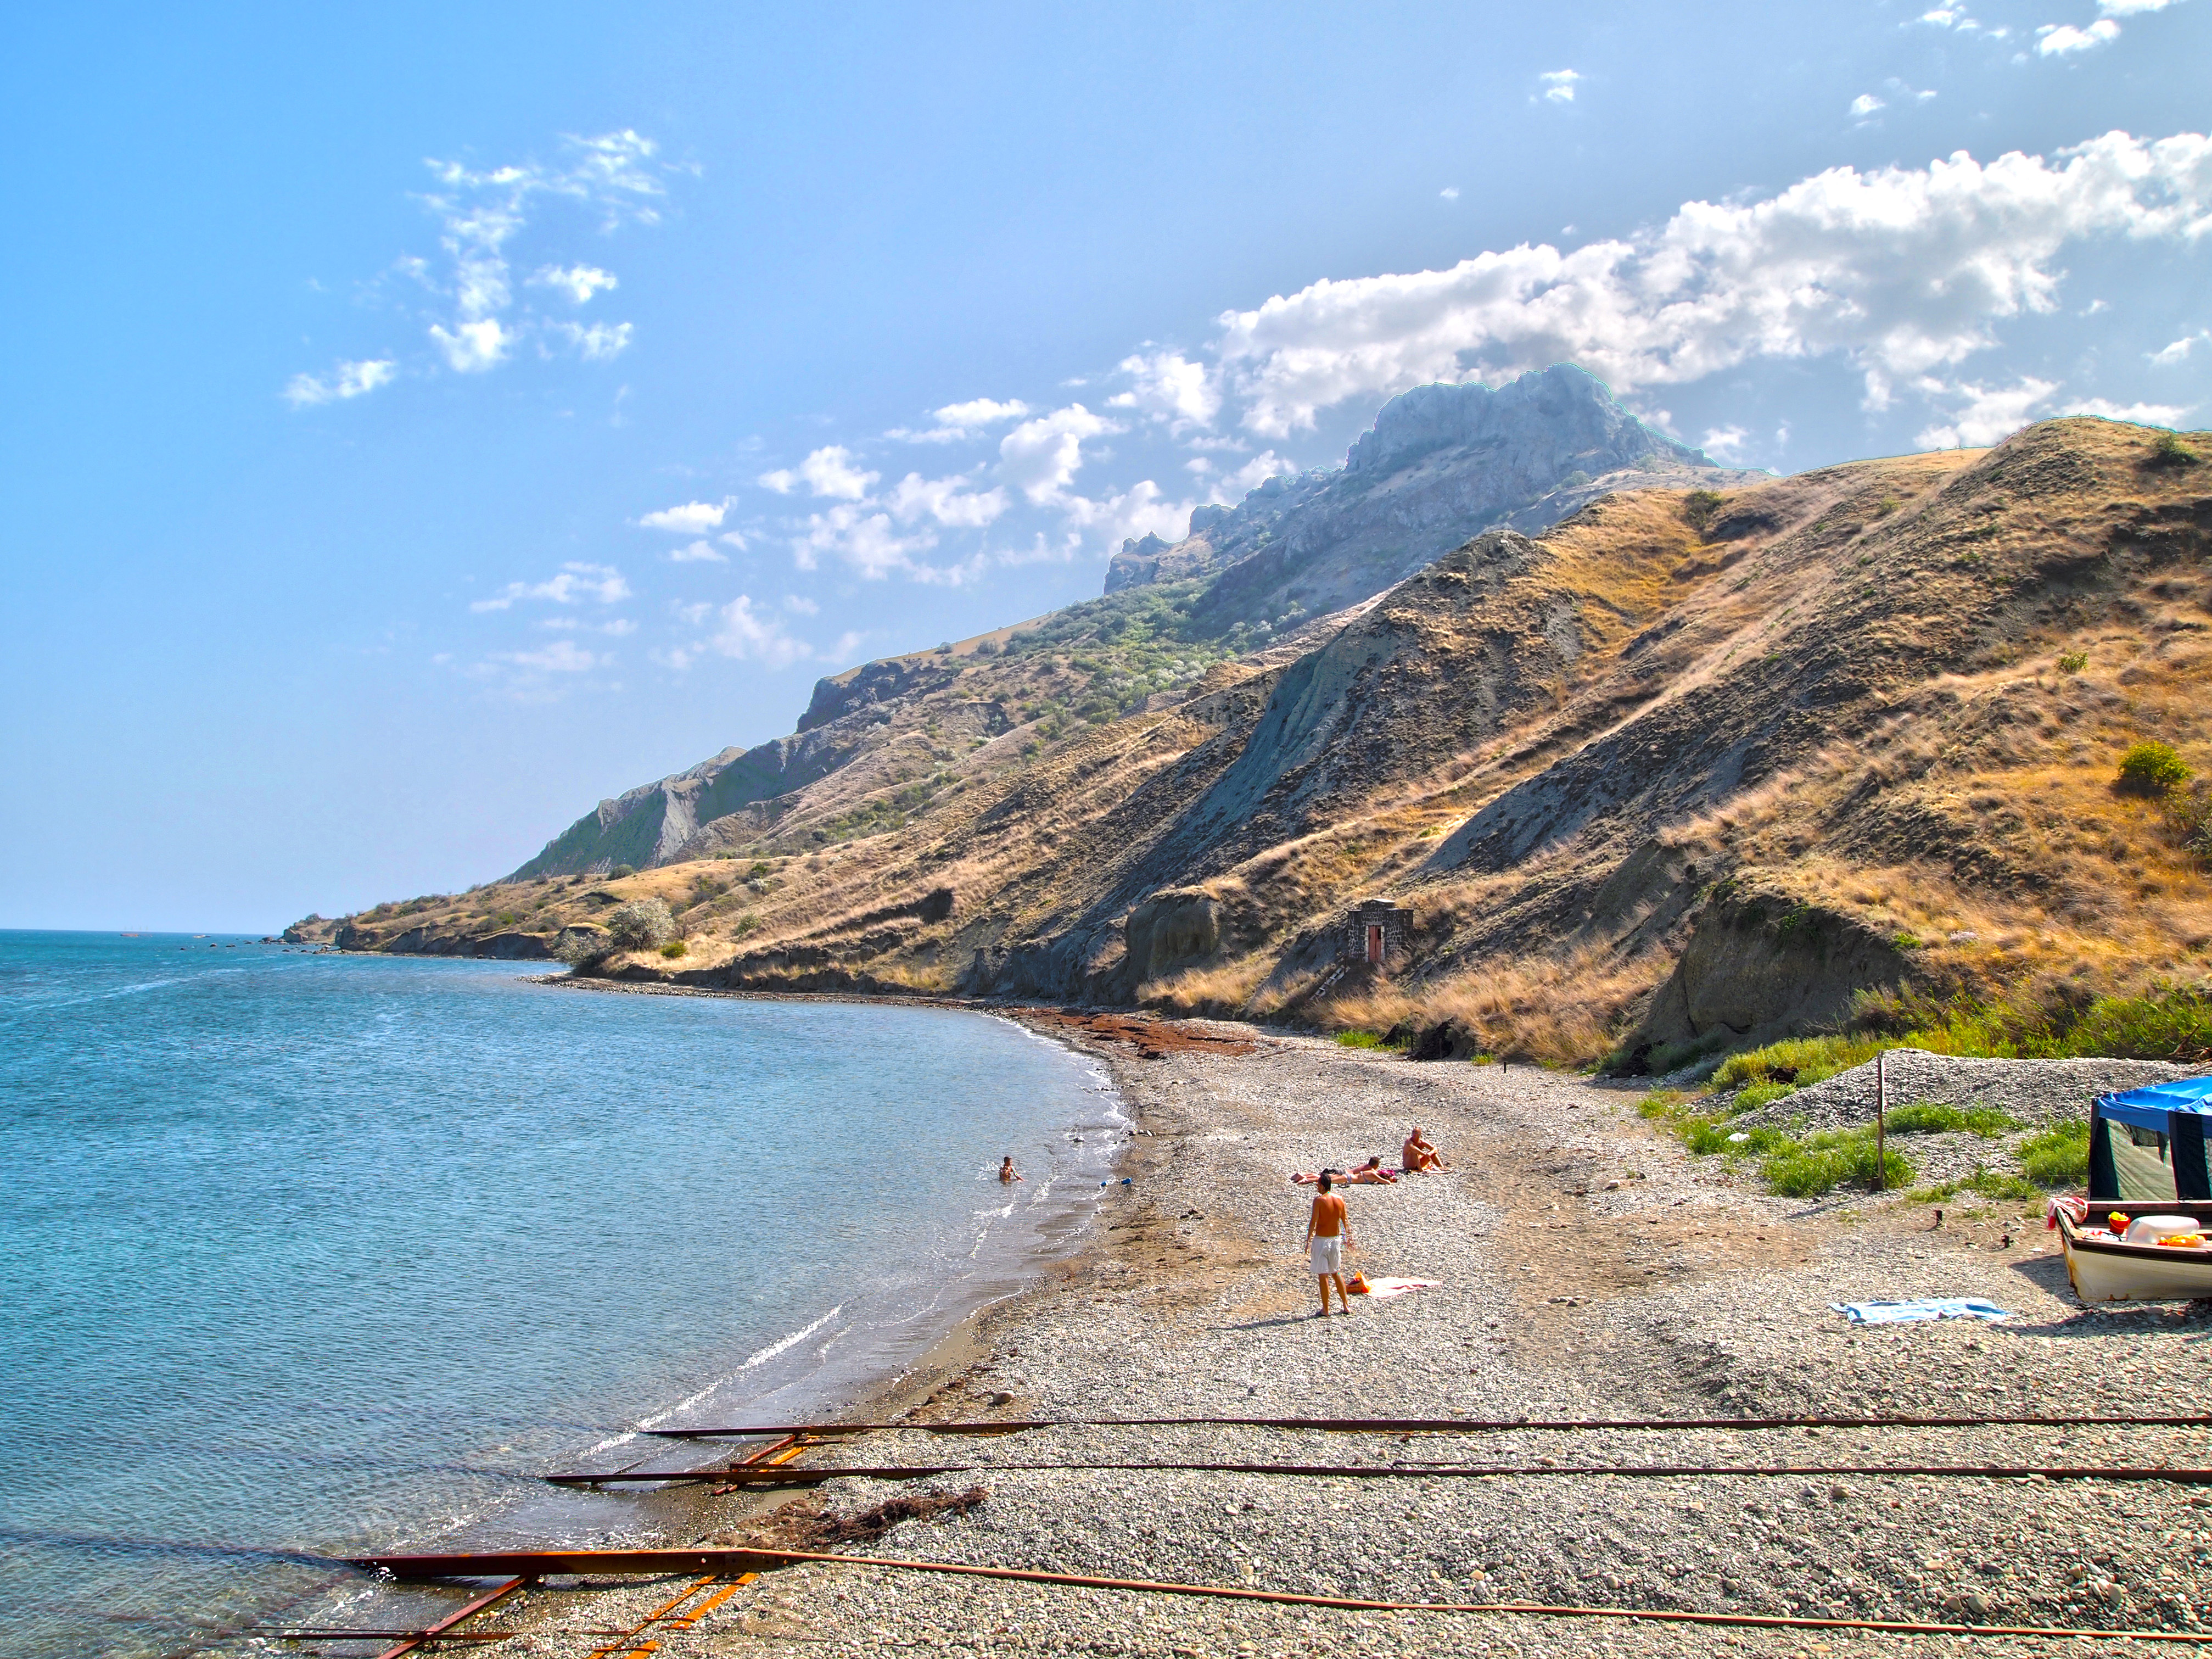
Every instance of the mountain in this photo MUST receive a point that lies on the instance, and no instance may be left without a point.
(1442, 464)
(1689, 766)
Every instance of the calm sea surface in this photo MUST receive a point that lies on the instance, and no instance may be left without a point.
(302, 1256)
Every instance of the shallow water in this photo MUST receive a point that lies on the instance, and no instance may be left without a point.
(303, 1254)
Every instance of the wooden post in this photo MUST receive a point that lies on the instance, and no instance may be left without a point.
(1881, 1121)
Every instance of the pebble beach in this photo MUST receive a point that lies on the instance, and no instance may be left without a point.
(1584, 1266)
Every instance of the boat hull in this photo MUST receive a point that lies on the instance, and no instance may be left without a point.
(2136, 1273)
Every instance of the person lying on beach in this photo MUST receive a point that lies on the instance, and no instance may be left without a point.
(1370, 1174)
(1328, 1232)
(1007, 1175)
(1417, 1155)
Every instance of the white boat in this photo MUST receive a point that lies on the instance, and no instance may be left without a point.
(2105, 1266)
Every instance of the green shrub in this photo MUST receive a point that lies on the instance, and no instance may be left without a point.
(2073, 662)
(674, 948)
(1367, 1040)
(1753, 1096)
(1932, 1119)
(1701, 507)
(2059, 1157)
(2151, 768)
(2170, 450)
(620, 871)
(642, 925)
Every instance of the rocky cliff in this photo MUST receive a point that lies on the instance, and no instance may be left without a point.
(1684, 767)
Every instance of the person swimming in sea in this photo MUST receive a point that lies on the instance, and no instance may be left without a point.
(1007, 1174)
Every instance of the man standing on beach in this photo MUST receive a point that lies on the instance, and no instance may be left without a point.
(1328, 1230)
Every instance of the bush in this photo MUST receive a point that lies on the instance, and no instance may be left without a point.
(642, 925)
(2059, 1157)
(581, 944)
(1701, 507)
(2073, 662)
(2151, 768)
(674, 948)
(2170, 450)
(618, 871)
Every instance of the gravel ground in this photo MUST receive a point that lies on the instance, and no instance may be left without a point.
(2032, 1091)
(1587, 1266)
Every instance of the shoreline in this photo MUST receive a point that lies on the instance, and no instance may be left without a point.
(1585, 1266)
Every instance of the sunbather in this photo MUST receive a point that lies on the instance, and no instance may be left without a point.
(1417, 1155)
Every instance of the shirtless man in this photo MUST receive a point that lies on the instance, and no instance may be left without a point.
(1328, 1231)
(1008, 1177)
(1417, 1155)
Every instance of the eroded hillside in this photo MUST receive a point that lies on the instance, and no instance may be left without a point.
(1682, 765)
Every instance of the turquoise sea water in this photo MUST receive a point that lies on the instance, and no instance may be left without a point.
(307, 1255)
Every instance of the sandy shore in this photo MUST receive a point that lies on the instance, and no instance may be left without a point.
(1585, 1266)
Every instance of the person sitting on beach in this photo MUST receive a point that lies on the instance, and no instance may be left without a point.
(1328, 1232)
(1417, 1155)
(1007, 1174)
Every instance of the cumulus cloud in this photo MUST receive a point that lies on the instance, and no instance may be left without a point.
(1991, 413)
(1725, 443)
(599, 342)
(1449, 192)
(1168, 387)
(346, 380)
(742, 632)
(2057, 40)
(575, 583)
(578, 282)
(691, 518)
(472, 347)
(698, 553)
(829, 472)
(1864, 106)
(863, 536)
(1903, 271)
(2135, 414)
(951, 501)
(1560, 85)
(1041, 458)
(956, 422)
(2131, 8)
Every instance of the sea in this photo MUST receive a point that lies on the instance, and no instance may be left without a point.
(306, 1255)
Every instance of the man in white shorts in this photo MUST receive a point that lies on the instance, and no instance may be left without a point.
(1328, 1231)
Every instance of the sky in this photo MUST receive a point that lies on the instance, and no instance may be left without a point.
(421, 423)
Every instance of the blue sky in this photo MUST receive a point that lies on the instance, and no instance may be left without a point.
(423, 423)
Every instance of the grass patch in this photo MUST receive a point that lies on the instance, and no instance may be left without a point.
(2059, 1157)
(1753, 1096)
(1373, 1040)
(1821, 1163)
(1799, 1061)
(1987, 1182)
(1986, 1121)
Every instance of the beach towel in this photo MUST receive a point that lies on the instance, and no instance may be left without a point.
(1382, 1289)
(1927, 1307)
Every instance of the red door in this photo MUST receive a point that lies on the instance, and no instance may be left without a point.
(1375, 942)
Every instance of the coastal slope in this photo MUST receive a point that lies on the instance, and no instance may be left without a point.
(1689, 764)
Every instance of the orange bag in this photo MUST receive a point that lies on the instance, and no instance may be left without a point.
(1356, 1284)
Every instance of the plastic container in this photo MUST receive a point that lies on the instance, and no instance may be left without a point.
(2149, 1229)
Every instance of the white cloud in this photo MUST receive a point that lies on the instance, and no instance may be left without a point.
(1140, 510)
(2135, 414)
(1900, 269)
(1724, 443)
(2131, 8)
(829, 472)
(578, 282)
(576, 582)
(1232, 487)
(597, 344)
(1449, 192)
(692, 519)
(2179, 350)
(950, 501)
(2057, 40)
(698, 553)
(802, 604)
(1948, 17)
(1560, 85)
(472, 347)
(346, 380)
(1041, 458)
(1991, 412)
(956, 422)
(1169, 387)
(751, 638)
(1864, 106)
(863, 537)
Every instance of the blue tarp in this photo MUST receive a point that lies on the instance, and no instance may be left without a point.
(2146, 1108)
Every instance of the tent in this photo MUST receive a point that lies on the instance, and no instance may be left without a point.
(2149, 1143)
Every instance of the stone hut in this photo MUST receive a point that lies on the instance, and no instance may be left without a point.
(1375, 930)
